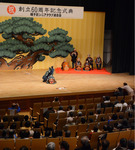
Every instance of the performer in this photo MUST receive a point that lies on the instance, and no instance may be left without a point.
(90, 60)
(65, 65)
(73, 55)
(87, 66)
(98, 62)
(78, 64)
(48, 76)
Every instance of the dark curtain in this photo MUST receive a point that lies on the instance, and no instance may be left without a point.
(123, 37)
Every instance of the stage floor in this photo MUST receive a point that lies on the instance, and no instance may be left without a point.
(29, 83)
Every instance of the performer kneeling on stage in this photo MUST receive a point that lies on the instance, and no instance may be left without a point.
(78, 64)
(90, 60)
(98, 62)
(87, 66)
(48, 77)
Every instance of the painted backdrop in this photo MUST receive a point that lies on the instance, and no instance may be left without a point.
(87, 36)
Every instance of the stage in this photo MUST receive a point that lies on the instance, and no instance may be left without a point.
(28, 83)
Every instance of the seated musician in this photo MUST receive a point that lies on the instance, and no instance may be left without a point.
(90, 60)
(65, 65)
(78, 64)
(98, 62)
(87, 66)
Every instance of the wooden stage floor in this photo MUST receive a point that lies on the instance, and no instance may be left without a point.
(29, 83)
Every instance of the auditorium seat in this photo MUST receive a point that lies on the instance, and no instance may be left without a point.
(112, 138)
(17, 124)
(8, 143)
(108, 110)
(91, 126)
(89, 100)
(36, 108)
(82, 128)
(2, 112)
(62, 115)
(46, 104)
(22, 142)
(64, 103)
(73, 102)
(49, 122)
(5, 124)
(38, 144)
(90, 110)
(54, 104)
(81, 101)
(124, 134)
(101, 116)
(132, 135)
(90, 106)
(61, 123)
(97, 100)
(101, 124)
(93, 117)
(72, 141)
(73, 129)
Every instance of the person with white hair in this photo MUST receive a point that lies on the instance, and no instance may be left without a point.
(50, 146)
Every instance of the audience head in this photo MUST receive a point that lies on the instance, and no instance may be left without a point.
(125, 84)
(37, 124)
(80, 107)
(123, 142)
(14, 105)
(79, 114)
(16, 118)
(131, 145)
(27, 124)
(130, 115)
(102, 118)
(64, 145)
(121, 116)
(56, 99)
(24, 134)
(120, 126)
(70, 107)
(1, 125)
(105, 144)
(54, 134)
(70, 120)
(95, 128)
(50, 146)
(59, 133)
(83, 120)
(61, 108)
(47, 133)
(13, 126)
(125, 123)
(105, 127)
(114, 116)
(36, 134)
(71, 114)
(67, 133)
(26, 117)
(91, 113)
(50, 108)
(23, 148)
(110, 128)
(122, 101)
(85, 143)
(5, 119)
(11, 133)
(107, 98)
(98, 111)
(90, 120)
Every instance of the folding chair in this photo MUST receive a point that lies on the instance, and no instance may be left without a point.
(72, 141)
(112, 138)
(7, 143)
(38, 144)
(55, 140)
(22, 142)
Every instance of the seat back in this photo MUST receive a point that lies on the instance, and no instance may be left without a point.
(64, 103)
(91, 126)
(81, 101)
(89, 100)
(36, 108)
(62, 115)
(132, 135)
(61, 123)
(52, 118)
(82, 128)
(55, 140)
(73, 102)
(2, 112)
(90, 106)
(73, 129)
(47, 104)
(22, 142)
(112, 138)
(94, 140)
(72, 141)
(7, 143)
(97, 100)
(123, 134)
(38, 144)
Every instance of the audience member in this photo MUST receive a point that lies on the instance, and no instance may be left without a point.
(26, 118)
(54, 134)
(60, 109)
(110, 128)
(105, 145)
(110, 119)
(11, 134)
(69, 109)
(128, 89)
(50, 146)
(13, 126)
(131, 145)
(47, 133)
(114, 117)
(83, 120)
(122, 145)
(37, 124)
(23, 148)
(56, 99)
(27, 124)
(46, 113)
(121, 104)
(36, 134)
(15, 106)
(64, 145)
(85, 144)
(67, 133)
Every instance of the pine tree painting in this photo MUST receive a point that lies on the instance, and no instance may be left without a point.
(24, 50)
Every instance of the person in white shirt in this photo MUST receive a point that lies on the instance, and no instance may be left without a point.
(121, 104)
(128, 89)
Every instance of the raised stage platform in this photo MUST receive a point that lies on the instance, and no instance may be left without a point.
(27, 85)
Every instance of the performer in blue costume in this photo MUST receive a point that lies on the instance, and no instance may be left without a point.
(49, 75)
